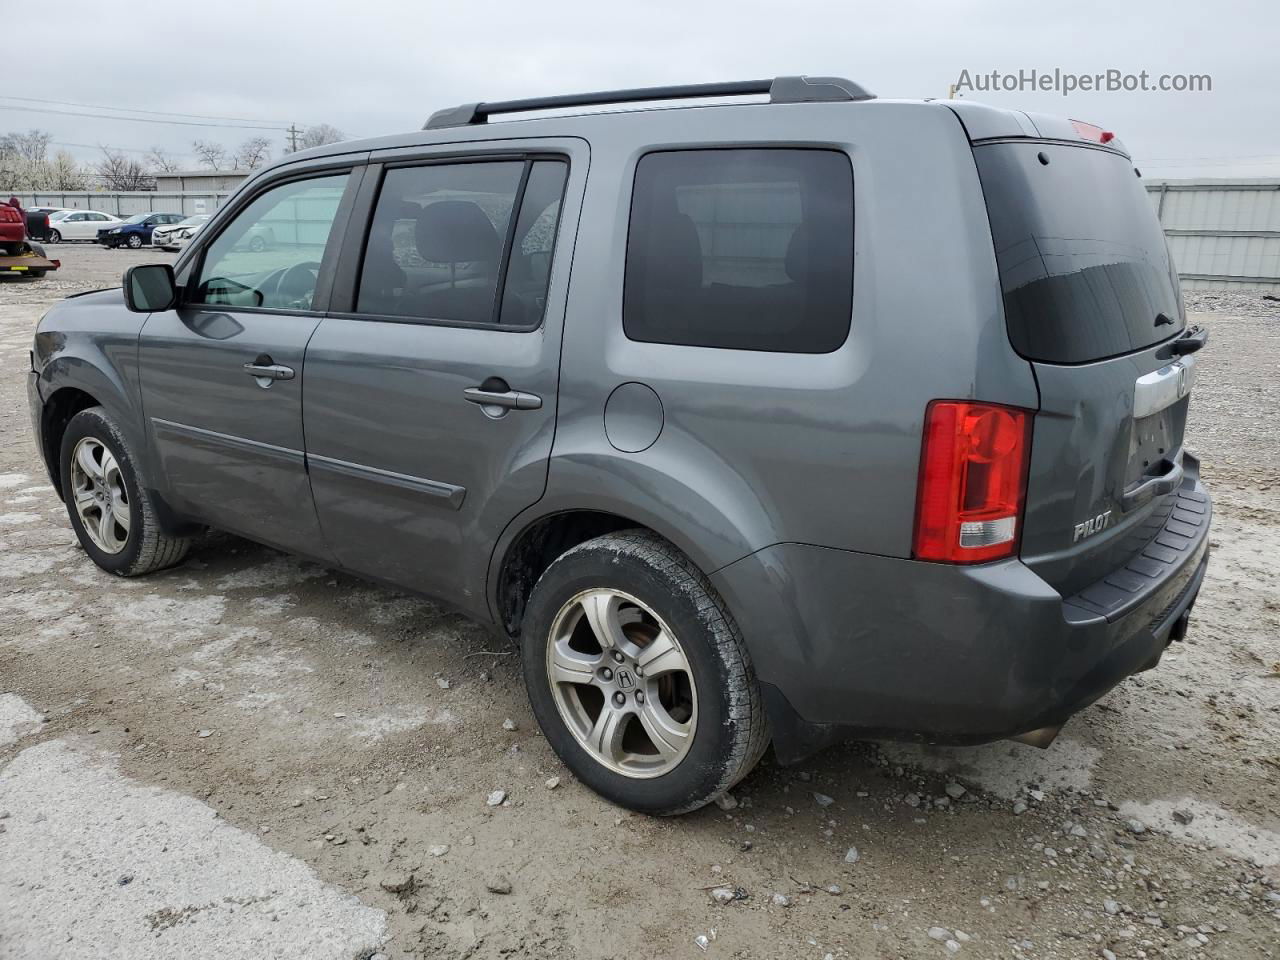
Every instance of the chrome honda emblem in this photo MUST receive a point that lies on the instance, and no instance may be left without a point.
(625, 680)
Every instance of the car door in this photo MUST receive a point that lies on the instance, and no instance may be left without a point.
(73, 226)
(431, 385)
(222, 374)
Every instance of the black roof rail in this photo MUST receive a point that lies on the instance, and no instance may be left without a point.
(779, 89)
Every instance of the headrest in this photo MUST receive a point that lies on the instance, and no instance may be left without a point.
(674, 253)
(456, 231)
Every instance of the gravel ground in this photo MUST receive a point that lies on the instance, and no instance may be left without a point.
(253, 756)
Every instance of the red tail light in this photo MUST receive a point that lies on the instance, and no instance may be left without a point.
(973, 473)
(1091, 131)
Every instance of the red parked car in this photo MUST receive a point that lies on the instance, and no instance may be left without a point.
(13, 228)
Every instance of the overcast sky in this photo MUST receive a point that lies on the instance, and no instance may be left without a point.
(382, 66)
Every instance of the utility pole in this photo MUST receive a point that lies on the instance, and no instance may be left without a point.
(294, 133)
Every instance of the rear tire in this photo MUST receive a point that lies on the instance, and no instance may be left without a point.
(661, 733)
(105, 493)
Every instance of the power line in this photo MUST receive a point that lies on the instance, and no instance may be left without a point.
(98, 116)
(107, 146)
(157, 113)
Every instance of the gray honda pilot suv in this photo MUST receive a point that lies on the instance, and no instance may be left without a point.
(791, 419)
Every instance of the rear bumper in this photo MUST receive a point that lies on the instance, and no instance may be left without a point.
(853, 645)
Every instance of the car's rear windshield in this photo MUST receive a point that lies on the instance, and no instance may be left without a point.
(1084, 266)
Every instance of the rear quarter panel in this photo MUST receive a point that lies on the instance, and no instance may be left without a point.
(758, 448)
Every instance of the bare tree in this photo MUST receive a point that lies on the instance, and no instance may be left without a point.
(212, 155)
(253, 153)
(32, 146)
(162, 161)
(319, 135)
(63, 173)
(119, 172)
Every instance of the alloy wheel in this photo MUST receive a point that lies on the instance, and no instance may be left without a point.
(100, 496)
(622, 683)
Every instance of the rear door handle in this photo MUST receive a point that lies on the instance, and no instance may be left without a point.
(266, 372)
(503, 400)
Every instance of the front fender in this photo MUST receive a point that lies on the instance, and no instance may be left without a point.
(90, 344)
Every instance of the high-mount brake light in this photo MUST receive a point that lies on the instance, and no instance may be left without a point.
(973, 475)
(1091, 131)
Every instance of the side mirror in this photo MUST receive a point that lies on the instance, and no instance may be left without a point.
(150, 287)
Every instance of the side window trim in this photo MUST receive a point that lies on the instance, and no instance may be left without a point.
(329, 259)
(342, 303)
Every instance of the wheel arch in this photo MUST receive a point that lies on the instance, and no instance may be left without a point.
(58, 409)
(79, 376)
(535, 538)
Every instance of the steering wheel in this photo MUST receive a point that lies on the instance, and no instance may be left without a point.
(297, 284)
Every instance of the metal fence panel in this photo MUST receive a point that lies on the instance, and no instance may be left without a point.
(127, 203)
(1224, 234)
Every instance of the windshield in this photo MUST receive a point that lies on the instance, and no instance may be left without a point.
(61, 214)
(1083, 262)
(138, 218)
(195, 221)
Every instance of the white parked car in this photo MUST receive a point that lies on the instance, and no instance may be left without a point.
(175, 236)
(78, 224)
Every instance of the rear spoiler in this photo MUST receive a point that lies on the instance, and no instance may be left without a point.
(983, 122)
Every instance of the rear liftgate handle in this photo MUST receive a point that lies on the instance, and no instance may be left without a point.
(1154, 487)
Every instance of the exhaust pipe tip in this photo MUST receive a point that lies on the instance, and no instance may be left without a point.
(1039, 738)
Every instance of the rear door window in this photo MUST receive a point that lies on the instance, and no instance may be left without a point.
(445, 237)
(746, 249)
(1084, 267)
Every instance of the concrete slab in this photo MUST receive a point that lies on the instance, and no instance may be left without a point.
(133, 871)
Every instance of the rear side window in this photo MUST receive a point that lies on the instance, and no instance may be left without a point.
(445, 237)
(741, 249)
(1085, 270)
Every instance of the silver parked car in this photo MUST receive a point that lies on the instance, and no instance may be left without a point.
(775, 422)
(177, 235)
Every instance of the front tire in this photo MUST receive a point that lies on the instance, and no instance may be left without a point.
(134, 241)
(105, 493)
(55, 236)
(639, 677)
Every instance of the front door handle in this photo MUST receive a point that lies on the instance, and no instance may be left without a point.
(266, 372)
(502, 400)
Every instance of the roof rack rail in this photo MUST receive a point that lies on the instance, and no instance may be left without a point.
(779, 89)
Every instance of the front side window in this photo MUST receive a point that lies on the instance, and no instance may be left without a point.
(442, 239)
(747, 249)
(270, 254)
